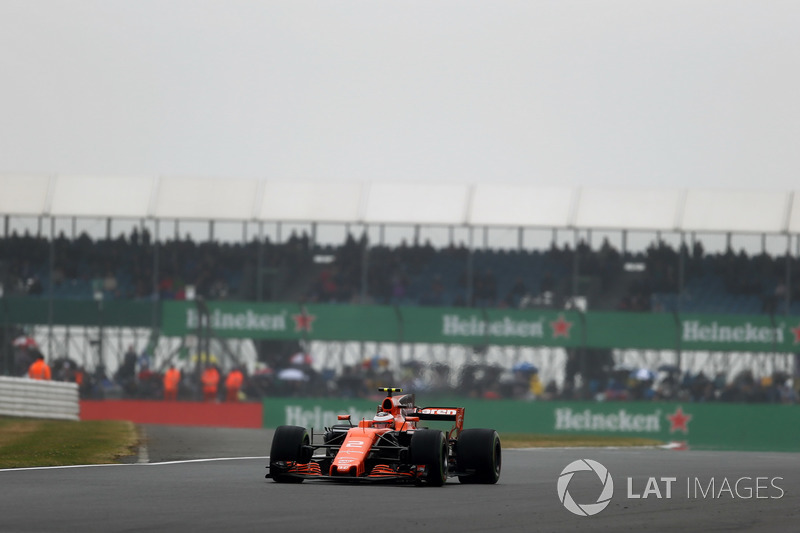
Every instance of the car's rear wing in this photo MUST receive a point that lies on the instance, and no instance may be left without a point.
(454, 414)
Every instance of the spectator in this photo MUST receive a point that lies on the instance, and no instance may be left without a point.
(550, 391)
(210, 382)
(536, 387)
(435, 295)
(35, 286)
(351, 384)
(126, 374)
(516, 293)
(233, 384)
(84, 383)
(172, 378)
(110, 284)
(399, 288)
(149, 382)
(548, 283)
(487, 289)
(39, 369)
(23, 358)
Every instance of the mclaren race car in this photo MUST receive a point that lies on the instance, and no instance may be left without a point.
(392, 447)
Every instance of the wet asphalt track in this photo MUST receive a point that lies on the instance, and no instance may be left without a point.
(232, 495)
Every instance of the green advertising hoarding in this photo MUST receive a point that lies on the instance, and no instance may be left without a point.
(440, 325)
(504, 327)
(108, 313)
(378, 323)
(490, 326)
(653, 331)
(717, 426)
(285, 321)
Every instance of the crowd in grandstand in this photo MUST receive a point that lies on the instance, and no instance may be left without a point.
(134, 267)
(136, 377)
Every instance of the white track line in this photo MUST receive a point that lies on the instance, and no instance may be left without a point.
(543, 448)
(143, 455)
(212, 459)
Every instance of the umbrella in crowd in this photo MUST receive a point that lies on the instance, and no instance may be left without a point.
(263, 370)
(525, 366)
(25, 342)
(643, 374)
(375, 362)
(292, 374)
(301, 359)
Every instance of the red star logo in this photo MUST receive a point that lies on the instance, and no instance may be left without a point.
(679, 421)
(302, 321)
(796, 332)
(561, 327)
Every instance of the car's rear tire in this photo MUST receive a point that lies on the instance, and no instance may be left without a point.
(429, 448)
(479, 452)
(290, 444)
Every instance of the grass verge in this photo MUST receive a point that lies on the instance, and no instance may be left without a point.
(27, 442)
(519, 440)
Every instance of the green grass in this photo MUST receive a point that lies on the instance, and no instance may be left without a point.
(518, 440)
(28, 442)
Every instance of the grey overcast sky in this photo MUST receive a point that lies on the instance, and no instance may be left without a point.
(648, 93)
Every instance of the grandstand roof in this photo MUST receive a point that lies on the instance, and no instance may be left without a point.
(422, 203)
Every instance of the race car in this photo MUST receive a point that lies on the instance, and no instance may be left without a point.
(392, 447)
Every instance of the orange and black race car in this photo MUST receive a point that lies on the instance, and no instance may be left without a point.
(393, 446)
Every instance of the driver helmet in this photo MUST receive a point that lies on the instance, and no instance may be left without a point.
(383, 420)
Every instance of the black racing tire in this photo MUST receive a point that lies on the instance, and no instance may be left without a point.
(288, 445)
(479, 451)
(429, 447)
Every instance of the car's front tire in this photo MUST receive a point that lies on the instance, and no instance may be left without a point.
(429, 448)
(290, 444)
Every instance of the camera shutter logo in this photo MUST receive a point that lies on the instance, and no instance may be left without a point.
(587, 509)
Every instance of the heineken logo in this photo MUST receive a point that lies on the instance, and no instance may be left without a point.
(695, 330)
(246, 320)
(472, 326)
(621, 420)
(319, 417)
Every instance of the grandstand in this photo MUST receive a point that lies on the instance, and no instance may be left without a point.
(482, 246)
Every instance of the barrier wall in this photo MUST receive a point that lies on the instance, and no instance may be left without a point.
(228, 415)
(716, 426)
(33, 398)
